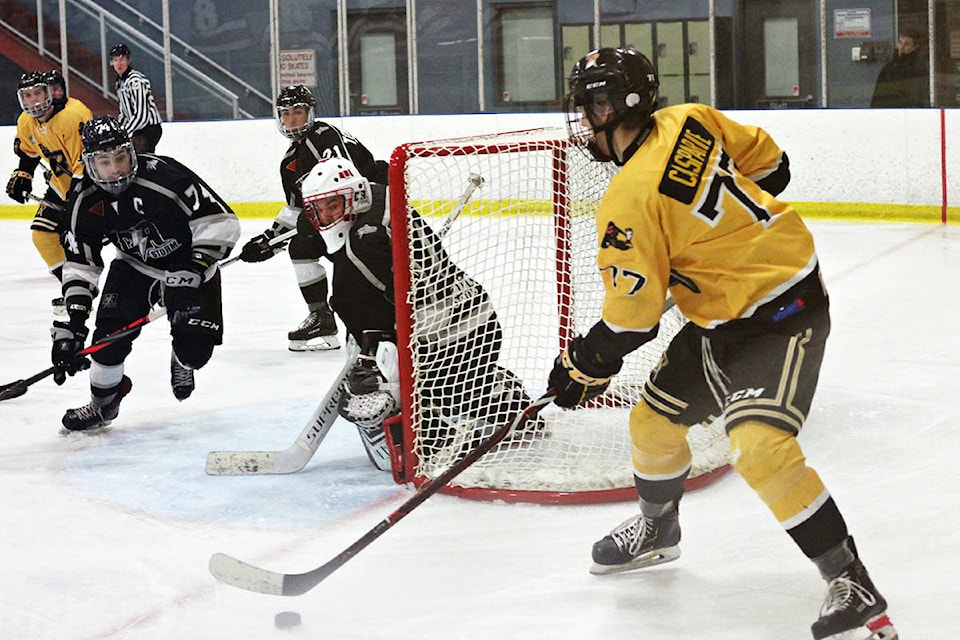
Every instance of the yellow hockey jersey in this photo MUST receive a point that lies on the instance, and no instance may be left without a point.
(57, 141)
(685, 214)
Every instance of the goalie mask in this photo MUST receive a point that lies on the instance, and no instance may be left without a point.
(296, 109)
(334, 194)
(108, 155)
(609, 87)
(33, 92)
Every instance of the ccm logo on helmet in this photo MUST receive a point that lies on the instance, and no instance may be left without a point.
(594, 85)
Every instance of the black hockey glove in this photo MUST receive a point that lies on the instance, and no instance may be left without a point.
(68, 339)
(20, 186)
(572, 381)
(258, 248)
(181, 291)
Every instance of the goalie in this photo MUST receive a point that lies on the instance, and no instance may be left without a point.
(350, 215)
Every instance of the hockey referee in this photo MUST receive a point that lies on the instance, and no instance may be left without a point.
(138, 111)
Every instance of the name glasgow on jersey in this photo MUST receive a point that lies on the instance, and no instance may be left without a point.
(687, 162)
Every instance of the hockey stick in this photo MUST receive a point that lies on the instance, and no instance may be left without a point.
(18, 388)
(272, 242)
(45, 203)
(474, 181)
(297, 455)
(246, 576)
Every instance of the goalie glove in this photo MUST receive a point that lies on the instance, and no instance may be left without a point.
(259, 249)
(572, 379)
(20, 186)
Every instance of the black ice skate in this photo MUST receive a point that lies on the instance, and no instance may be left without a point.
(59, 306)
(318, 332)
(94, 416)
(853, 602)
(639, 542)
(181, 379)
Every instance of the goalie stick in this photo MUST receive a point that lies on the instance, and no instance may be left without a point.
(297, 455)
(246, 576)
(474, 181)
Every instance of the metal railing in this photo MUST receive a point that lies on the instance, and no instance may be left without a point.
(109, 18)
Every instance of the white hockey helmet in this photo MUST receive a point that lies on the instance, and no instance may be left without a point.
(334, 193)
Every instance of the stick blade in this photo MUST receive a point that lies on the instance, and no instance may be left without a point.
(242, 575)
(239, 463)
(249, 463)
(12, 390)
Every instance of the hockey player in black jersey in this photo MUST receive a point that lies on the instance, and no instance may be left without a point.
(349, 215)
(169, 229)
(311, 141)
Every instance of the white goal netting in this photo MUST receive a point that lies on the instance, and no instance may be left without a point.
(511, 232)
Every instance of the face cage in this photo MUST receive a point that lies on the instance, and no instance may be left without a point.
(40, 108)
(312, 211)
(114, 185)
(582, 137)
(300, 131)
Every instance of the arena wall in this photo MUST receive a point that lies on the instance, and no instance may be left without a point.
(895, 164)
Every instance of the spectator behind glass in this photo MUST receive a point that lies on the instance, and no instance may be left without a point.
(903, 81)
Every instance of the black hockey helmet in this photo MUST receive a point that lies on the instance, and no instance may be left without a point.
(120, 50)
(56, 79)
(608, 87)
(295, 95)
(31, 80)
(108, 155)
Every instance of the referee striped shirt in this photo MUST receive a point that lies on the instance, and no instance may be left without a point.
(137, 108)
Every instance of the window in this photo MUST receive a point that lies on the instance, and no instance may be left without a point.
(528, 66)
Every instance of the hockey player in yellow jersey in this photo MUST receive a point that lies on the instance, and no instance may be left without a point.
(693, 212)
(48, 130)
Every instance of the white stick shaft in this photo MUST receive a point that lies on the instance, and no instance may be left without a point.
(474, 181)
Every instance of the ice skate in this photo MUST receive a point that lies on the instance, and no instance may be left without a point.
(94, 416)
(181, 379)
(639, 542)
(853, 604)
(59, 306)
(318, 332)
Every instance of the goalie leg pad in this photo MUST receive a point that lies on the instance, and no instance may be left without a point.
(368, 412)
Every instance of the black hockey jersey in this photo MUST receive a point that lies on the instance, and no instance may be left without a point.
(324, 141)
(363, 271)
(156, 224)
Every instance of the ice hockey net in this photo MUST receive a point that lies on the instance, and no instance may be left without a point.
(516, 213)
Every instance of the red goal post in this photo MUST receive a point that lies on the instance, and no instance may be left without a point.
(516, 215)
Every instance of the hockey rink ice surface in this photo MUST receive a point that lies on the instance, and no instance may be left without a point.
(108, 536)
